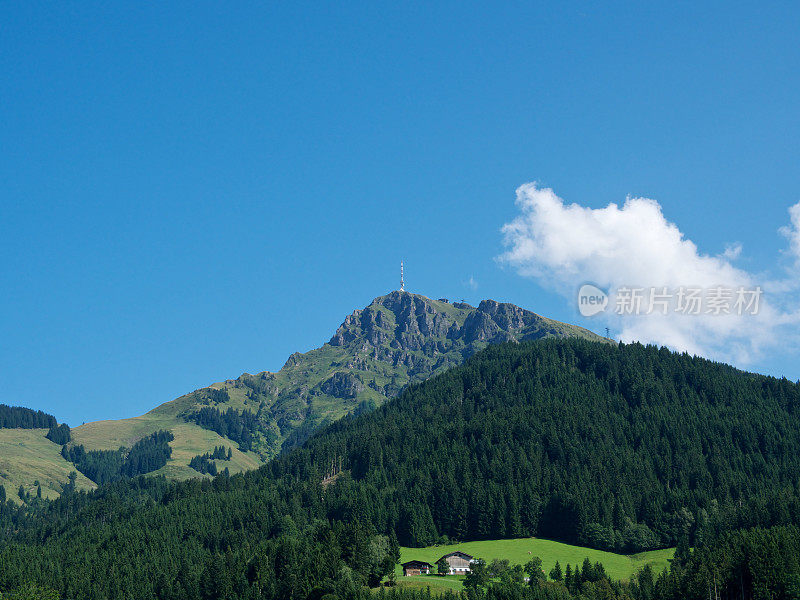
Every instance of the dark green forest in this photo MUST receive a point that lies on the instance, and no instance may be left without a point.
(237, 426)
(17, 417)
(204, 463)
(102, 466)
(624, 447)
(621, 448)
(59, 434)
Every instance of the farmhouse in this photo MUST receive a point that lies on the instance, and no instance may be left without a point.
(459, 562)
(416, 567)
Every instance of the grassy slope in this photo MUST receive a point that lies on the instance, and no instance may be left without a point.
(190, 440)
(26, 455)
(618, 566)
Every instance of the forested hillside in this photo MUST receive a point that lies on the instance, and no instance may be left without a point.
(621, 447)
(398, 339)
(615, 447)
(102, 466)
(16, 417)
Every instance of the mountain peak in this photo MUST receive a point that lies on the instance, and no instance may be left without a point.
(398, 339)
(404, 320)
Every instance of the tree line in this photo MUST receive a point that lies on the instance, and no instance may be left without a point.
(205, 463)
(342, 563)
(102, 466)
(234, 425)
(17, 417)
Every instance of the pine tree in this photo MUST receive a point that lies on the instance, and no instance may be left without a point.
(394, 548)
(644, 583)
(587, 572)
(556, 574)
(442, 566)
(70, 486)
(682, 552)
(534, 570)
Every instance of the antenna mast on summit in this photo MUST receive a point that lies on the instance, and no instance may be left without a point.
(402, 283)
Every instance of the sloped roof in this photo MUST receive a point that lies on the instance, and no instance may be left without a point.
(458, 553)
(417, 563)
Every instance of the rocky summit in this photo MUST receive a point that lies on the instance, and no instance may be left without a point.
(421, 335)
(398, 339)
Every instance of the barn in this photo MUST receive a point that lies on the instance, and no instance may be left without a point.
(459, 562)
(416, 567)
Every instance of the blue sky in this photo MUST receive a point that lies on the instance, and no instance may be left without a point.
(195, 190)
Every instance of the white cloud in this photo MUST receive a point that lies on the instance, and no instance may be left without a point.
(792, 232)
(565, 245)
(732, 251)
(472, 284)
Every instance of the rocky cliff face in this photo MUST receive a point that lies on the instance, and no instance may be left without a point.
(342, 385)
(412, 323)
(399, 321)
(399, 339)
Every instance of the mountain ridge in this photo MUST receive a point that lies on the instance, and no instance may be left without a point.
(398, 339)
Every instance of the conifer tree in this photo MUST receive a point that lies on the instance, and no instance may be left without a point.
(587, 571)
(556, 574)
(534, 570)
(442, 566)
